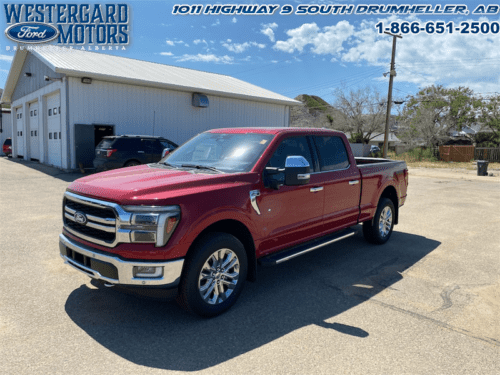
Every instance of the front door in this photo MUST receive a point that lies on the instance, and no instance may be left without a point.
(34, 143)
(291, 214)
(19, 136)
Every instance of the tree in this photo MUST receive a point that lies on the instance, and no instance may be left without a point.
(363, 112)
(434, 111)
(489, 117)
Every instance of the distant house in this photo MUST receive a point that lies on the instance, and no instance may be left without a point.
(378, 139)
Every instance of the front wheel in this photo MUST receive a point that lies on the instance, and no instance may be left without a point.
(214, 275)
(379, 230)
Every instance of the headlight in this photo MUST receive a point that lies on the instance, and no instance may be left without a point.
(152, 224)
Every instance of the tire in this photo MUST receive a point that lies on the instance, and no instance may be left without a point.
(379, 230)
(206, 288)
(132, 163)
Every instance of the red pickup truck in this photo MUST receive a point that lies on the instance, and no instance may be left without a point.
(197, 224)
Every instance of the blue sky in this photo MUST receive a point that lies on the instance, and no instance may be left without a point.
(311, 54)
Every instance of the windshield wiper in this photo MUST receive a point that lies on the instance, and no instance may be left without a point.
(201, 167)
(170, 165)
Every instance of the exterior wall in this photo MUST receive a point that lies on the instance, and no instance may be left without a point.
(40, 96)
(6, 128)
(26, 85)
(168, 113)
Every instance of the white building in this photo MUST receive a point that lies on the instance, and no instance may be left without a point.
(64, 100)
(5, 126)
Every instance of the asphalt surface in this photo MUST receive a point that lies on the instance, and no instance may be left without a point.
(427, 302)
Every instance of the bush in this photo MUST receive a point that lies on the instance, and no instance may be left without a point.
(417, 154)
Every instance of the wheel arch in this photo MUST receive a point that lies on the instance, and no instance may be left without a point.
(128, 161)
(241, 232)
(391, 193)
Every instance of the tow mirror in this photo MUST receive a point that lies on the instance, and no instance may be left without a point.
(165, 152)
(297, 171)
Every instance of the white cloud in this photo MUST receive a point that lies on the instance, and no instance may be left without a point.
(425, 59)
(216, 23)
(6, 58)
(268, 30)
(324, 41)
(208, 58)
(173, 42)
(241, 47)
(234, 20)
(166, 53)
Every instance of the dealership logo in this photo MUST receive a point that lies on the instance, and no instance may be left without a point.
(69, 24)
(80, 218)
(31, 32)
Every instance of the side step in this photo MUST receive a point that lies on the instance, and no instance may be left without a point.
(287, 254)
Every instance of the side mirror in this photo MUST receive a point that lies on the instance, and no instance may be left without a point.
(165, 152)
(297, 171)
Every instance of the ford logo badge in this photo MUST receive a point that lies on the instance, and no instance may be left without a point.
(31, 32)
(80, 218)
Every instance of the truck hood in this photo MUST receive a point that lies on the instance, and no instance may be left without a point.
(150, 185)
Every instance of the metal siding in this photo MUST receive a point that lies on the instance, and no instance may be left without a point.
(131, 109)
(136, 72)
(26, 85)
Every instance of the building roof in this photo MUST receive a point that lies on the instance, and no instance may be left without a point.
(380, 137)
(99, 66)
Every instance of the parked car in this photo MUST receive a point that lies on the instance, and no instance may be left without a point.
(197, 224)
(374, 149)
(130, 150)
(7, 147)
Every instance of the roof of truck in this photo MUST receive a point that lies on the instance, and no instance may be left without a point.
(272, 130)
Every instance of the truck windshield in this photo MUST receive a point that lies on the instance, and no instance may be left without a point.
(228, 153)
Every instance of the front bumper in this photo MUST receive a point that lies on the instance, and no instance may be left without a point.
(113, 270)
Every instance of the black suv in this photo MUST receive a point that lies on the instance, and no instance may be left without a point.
(129, 150)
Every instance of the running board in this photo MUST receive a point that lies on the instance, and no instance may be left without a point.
(287, 254)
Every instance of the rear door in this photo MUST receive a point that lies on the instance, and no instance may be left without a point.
(153, 149)
(341, 181)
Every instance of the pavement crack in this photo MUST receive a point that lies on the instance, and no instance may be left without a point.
(446, 296)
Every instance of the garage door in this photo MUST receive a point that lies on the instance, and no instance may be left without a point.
(54, 130)
(34, 145)
(20, 135)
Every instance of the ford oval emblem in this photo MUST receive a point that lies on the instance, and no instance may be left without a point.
(31, 32)
(80, 218)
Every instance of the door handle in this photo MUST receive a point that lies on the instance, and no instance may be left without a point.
(315, 189)
(354, 182)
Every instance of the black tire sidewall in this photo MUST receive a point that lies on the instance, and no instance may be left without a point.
(206, 246)
(377, 236)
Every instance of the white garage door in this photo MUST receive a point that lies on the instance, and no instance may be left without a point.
(19, 127)
(54, 130)
(34, 145)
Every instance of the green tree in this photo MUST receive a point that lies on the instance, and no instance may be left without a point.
(434, 111)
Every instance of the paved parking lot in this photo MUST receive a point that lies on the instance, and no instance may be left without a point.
(425, 303)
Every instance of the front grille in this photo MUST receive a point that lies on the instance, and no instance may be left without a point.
(89, 210)
(98, 226)
(94, 233)
(105, 269)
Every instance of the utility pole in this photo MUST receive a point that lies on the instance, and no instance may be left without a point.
(389, 95)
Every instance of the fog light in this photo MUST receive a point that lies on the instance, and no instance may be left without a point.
(141, 271)
(143, 236)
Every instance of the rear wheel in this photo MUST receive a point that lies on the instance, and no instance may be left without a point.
(379, 230)
(214, 275)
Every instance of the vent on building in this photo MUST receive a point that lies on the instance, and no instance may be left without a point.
(200, 100)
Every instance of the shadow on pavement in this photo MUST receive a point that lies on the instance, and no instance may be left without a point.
(46, 169)
(304, 291)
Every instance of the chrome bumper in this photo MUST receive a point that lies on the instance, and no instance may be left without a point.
(171, 270)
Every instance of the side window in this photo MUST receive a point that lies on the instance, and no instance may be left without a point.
(149, 145)
(332, 153)
(293, 146)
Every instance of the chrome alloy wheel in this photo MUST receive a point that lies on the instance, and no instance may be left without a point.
(219, 276)
(385, 221)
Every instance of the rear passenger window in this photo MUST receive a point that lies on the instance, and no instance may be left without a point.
(332, 153)
(293, 146)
